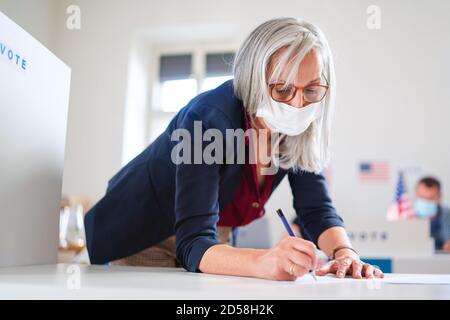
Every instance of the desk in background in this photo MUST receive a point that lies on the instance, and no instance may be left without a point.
(438, 263)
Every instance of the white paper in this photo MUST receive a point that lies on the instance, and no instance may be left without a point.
(308, 279)
(437, 279)
(440, 279)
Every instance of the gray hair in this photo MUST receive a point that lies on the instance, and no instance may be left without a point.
(308, 151)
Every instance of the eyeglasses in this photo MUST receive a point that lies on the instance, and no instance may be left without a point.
(311, 93)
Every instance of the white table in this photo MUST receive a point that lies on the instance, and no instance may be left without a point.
(117, 282)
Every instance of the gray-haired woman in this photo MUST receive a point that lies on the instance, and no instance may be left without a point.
(177, 206)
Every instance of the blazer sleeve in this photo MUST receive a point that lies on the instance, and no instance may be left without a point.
(196, 196)
(314, 208)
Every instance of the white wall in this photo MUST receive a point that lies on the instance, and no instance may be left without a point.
(37, 17)
(393, 83)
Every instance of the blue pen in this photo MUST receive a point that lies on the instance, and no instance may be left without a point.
(290, 232)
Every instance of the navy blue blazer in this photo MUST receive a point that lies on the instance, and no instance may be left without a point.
(151, 198)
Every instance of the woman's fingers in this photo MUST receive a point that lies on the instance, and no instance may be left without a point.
(296, 270)
(325, 269)
(289, 268)
(368, 271)
(306, 247)
(356, 269)
(379, 273)
(343, 266)
(295, 258)
(300, 259)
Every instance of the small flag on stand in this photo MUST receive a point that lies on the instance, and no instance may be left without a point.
(402, 207)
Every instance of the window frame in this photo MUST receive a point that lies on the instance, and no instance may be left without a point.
(199, 53)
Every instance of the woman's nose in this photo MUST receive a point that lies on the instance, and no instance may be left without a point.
(297, 101)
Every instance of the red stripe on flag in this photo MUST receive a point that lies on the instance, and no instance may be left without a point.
(379, 171)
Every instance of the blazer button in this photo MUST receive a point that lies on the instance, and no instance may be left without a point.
(255, 205)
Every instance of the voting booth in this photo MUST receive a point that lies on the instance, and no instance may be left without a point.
(34, 97)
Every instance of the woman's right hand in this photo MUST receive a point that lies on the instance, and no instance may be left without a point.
(291, 258)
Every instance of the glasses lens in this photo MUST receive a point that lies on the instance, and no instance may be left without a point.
(314, 93)
(281, 92)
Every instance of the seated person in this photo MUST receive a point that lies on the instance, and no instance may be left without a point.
(428, 205)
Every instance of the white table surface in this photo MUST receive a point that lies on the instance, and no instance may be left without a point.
(117, 282)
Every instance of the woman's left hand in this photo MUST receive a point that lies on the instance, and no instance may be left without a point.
(349, 263)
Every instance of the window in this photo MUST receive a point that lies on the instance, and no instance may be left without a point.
(181, 74)
(179, 83)
(218, 70)
(176, 82)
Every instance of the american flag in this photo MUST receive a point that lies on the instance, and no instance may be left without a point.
(374, 171)
(402, 206)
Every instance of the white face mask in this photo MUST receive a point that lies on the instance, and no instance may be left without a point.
(287, 119)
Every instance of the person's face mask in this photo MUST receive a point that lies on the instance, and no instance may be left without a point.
(425, 208)
(287, 119)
